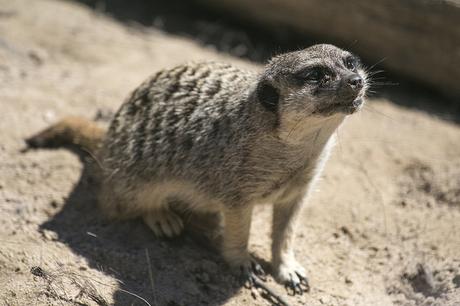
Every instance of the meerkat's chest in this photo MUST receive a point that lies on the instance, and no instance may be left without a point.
(288, 177)
(287, 189)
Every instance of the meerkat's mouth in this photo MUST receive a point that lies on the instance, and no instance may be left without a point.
(345, 108)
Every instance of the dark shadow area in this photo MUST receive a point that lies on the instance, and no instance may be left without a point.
(184, 272)
(229, 34)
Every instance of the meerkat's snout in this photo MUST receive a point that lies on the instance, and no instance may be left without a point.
(355, 82)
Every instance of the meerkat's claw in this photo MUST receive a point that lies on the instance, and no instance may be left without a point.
(304, 281)
(259, 271)
(164, 223)
(249, 280)
(293, 275)
(295, 286)
(251, 271)
(253, 277)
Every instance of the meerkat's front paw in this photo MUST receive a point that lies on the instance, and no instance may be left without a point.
(249, 271)
(246, 269)
(164, 223)
(293, 276)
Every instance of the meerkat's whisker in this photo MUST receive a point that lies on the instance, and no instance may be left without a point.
(377, 63)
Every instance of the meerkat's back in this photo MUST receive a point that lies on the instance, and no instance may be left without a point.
(174, 116)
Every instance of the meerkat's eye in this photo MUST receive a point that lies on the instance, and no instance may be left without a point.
(315, 75)
(351, 63)
(312, 75)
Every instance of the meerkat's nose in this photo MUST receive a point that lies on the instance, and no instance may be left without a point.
(355, 81)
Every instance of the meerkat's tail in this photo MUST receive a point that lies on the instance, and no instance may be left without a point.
(77, 131)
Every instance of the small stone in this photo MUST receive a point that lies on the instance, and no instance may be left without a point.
(35, 57)
(49, 235)
(49, 116)
(325, 300)
(346, 231)
(54, 204)
(374, 249)
(456, 281)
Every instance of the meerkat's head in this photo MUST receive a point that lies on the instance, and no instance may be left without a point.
(321, 80)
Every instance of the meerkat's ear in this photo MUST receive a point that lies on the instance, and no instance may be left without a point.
(268, 95)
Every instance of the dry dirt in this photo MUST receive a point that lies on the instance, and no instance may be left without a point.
(382, 229)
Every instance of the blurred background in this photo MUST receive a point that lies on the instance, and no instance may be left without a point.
(383, 229)
(413, 45)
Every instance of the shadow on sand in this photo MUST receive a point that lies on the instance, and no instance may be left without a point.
(185, 270)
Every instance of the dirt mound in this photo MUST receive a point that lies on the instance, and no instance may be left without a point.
(438, 186)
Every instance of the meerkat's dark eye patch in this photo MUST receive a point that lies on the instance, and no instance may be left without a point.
(351, 62)
(312, 75)
(268, 96)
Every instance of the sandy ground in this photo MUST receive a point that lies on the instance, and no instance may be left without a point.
(383, 227)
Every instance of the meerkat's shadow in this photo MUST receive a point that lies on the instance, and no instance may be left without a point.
(181, 271)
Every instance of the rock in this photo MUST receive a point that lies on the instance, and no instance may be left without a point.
(50, 235)
(456, 281)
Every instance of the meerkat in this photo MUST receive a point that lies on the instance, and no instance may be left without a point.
(221, 139)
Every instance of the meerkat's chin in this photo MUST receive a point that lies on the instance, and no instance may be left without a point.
(340, 108)
(352, 108)
(356, 105)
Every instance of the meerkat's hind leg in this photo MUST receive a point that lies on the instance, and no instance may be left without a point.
(164, 222)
